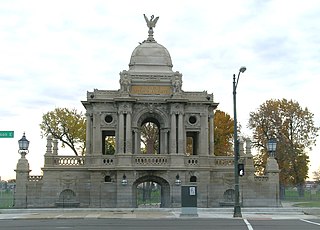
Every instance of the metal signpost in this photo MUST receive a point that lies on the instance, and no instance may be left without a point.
(6, 134)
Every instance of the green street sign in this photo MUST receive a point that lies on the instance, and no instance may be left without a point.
(6, 134)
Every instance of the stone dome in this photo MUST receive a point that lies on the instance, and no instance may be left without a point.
(150, 56)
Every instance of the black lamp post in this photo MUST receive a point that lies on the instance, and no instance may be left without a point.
(237, 208)
(272, 146)
(23, 145)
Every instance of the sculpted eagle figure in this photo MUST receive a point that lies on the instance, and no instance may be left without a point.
(152, 22)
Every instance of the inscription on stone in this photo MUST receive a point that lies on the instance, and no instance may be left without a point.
(151, 90)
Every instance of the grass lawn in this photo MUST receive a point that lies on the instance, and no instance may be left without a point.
(6, 199)
(309, 204)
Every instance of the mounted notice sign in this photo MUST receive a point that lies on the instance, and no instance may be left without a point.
(6, 134)
(189, 200)
(188, 196)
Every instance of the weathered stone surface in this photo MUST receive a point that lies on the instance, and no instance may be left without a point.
(149, 92)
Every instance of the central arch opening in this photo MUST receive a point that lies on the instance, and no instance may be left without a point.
(149, 195)
(150, 136)
(151, 192)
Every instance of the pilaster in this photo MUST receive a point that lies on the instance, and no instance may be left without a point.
(173, 134)
(211, 134)
(181, 134)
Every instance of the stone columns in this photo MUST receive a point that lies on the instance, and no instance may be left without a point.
(95, 134)
(204, 134)
(177, 133)
(211, 134)
(88, 133)
(181, 134)
(173, 134)
(128, 128)
(124, 129)
(164, 141)
(137, 143)
(121, 133)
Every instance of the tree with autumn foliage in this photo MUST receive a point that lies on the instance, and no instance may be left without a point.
(294, 129)
(223, 134)
(316, 176)
(66, 125)
(150, 138)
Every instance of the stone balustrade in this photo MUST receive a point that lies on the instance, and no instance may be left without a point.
(35, 178)
(151, 160)
(108, 160)
(68, 161)
(191, 161)
(138, 160)
(224, 161)
(261, 178)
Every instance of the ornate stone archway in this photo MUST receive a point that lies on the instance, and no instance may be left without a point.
(156, 114)
(165, 189)
(67, 198)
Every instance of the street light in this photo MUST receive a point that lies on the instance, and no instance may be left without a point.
(237, 208)
(271, 147)
(124, 180)
(23, 145)
(177, 181)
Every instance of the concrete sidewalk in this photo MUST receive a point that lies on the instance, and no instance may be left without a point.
(285, 212)
(247, 213)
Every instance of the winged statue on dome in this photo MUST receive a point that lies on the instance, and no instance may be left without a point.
(151, 24)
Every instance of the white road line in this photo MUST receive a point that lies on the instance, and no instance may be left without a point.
(248, 224)
(310, 222)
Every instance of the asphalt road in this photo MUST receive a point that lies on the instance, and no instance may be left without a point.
(157, 224)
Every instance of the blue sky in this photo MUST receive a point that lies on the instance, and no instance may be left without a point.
(53, 52)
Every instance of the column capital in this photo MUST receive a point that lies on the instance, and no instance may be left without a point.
(125, 108)
(176, 108)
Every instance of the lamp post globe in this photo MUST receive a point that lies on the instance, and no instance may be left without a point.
(272, 146)
(23, 145)
(124, 180)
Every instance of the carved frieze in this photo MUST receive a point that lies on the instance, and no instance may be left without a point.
(151, 90)
(67, 180)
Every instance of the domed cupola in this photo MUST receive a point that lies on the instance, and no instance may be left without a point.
(150, 56)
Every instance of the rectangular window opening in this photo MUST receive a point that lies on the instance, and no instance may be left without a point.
(108, 142)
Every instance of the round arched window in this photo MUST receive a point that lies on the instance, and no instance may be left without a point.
(192, 119)
(193, 179)
(108, 118)
(107, 179)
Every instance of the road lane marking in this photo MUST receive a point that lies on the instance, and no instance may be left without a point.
(310, 222)
(248, 224)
